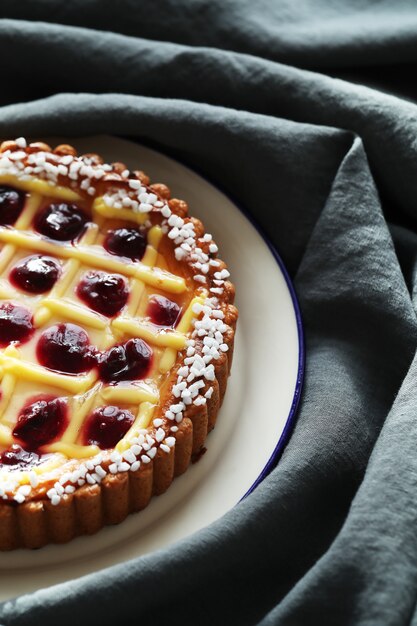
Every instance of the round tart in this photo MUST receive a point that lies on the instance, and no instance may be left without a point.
(116, 340)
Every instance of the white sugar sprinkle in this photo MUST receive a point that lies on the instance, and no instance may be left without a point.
(160, 434)
(209, 327)
(152, 452)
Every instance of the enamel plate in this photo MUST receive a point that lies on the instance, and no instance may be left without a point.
(261, 397)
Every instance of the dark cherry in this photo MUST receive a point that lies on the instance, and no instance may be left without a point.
(127, 361)
(41, 421)
(65, 348)
(105, 293)
(11, 204)
(106, 426)
(162, 311)
(35, 274)
(61, 222)
(17, 457)
(127, 242)
(15, 323)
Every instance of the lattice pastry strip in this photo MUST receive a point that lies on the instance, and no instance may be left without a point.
(71, 267)
(149, 258)
(142, 421)
(9, 250)
(188, 362)
(35, 373)
(96, 259)
(13, 366)
(102, 209)
(8, 384)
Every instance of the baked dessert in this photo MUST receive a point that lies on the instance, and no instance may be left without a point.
(116, 340)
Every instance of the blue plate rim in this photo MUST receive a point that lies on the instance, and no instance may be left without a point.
(292, 415)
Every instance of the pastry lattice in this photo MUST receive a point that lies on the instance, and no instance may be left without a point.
(87, 391)
(175, 407)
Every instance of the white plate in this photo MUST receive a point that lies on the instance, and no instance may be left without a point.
(260, 401)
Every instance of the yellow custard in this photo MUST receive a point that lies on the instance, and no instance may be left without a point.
(116, 340)
(22, 376)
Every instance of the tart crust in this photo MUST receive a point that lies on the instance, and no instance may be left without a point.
(37, 521)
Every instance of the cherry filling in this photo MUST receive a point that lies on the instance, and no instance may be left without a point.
(106, 426)
(11, 204)
(41, 421)
(61, 222)
(19, 458)
(35, 274)
(65, 348)
(15, 323)
(105, 293)
(127, 361)
(127, 242)
(162, 311)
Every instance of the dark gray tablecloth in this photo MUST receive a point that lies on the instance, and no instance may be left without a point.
(304, 111)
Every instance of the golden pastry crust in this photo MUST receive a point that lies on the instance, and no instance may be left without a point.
(41, 519)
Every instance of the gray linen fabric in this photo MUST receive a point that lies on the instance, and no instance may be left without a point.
(251, 94)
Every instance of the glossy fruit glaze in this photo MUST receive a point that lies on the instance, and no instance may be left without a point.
(126, 242)
(11, 204)
(66, 348)
(16, 323)
(162, 311)
(18, 458)
(126, 361)
(106, 426)
(42, 420)
(62, 222)
(35, 274)
(105, 293)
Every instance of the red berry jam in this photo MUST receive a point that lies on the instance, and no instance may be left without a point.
(11, 204)
(106, 426)
(18, 458)
(15, 323)
(128, 361)
(35, 274)
(127, 242)
(62, 222)
(163, 312)
(104, 293)
(41, 421)
(65, 348)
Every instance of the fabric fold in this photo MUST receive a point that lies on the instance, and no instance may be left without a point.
(327, 167)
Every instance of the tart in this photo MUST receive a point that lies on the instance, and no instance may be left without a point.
(117, 326)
